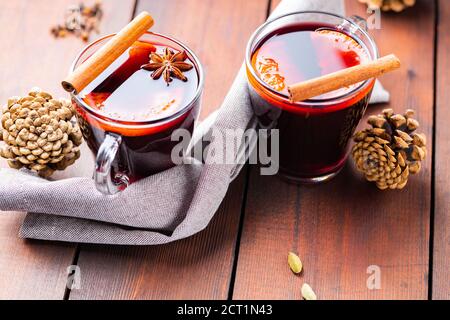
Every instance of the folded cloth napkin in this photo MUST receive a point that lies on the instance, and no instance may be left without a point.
(168, 206)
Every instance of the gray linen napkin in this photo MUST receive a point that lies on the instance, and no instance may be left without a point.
(165, 207)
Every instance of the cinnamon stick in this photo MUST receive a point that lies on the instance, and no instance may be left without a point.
(106, 55)
(342, 78)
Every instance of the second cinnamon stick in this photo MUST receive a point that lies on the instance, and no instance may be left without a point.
(343, 78)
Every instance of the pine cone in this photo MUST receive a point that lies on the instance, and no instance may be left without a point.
(387, 5)
(39, 133)
(391, 150)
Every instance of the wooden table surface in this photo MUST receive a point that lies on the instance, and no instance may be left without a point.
(339, 228)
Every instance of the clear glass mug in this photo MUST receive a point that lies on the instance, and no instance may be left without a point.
(127, 151)
(314, 133)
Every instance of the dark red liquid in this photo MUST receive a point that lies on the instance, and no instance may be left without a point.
(124, 95)
(313, 138)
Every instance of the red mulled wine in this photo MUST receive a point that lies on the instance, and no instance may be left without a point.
(138, 109)
(314, 133)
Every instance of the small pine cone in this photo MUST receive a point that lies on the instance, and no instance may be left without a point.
(391, 150)
(39, 133)
(388, 5)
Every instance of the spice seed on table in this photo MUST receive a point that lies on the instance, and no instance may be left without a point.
(295, 263)
(308, 293)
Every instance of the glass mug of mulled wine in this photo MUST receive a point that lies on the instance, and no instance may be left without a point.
(129, 112)
(314, 133)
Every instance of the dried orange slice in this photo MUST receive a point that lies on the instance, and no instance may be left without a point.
(269, 72)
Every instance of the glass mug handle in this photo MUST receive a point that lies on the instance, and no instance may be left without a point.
(103, 167)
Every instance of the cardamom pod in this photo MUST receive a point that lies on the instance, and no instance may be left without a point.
(295, 263)
(308, 293)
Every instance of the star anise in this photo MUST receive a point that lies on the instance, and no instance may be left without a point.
(169, 64)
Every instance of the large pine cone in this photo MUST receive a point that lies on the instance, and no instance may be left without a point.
(387, 5)
(39, 133)
(389, 151)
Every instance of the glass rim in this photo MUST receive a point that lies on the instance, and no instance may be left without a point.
(140, 123)
(308, 102)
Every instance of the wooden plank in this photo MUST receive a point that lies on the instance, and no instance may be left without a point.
(32, 57)
(195, 268)
(441, 245)
(342, 227)
(201, 266)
